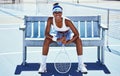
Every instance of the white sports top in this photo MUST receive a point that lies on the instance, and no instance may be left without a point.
(63, 28)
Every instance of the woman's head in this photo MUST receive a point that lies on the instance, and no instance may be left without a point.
(57, 10)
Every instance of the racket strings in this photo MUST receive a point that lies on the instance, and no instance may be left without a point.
(63, 67)
(62, 62)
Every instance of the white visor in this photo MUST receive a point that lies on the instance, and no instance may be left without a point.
(57, 9)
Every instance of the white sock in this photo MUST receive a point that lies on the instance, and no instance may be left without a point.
(44, 57)
(80, 60)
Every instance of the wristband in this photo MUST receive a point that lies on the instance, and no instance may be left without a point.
(54, 38)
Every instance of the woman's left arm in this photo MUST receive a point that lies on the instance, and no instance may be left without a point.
(74, 30)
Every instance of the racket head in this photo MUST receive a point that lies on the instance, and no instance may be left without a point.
(62, 62)
(62, 67)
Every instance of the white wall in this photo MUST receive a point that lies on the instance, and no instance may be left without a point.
(33, 1)
(29, 1)
(5, 1)
(79, 0)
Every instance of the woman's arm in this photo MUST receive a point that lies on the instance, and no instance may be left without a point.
(74, 30)
(48, 26)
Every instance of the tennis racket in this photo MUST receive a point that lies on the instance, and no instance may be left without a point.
(62, 62)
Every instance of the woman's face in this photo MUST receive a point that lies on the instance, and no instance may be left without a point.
(57, 15)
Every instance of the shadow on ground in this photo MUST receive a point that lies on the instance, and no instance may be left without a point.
(52, 72)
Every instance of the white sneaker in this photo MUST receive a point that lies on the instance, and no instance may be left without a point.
(42, 69)
(82, 68)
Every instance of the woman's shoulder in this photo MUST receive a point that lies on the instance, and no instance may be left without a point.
(50, 20)
(50, 17)
(68, 22)
(67, 19)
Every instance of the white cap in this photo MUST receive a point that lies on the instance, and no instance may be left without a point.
(57, 9)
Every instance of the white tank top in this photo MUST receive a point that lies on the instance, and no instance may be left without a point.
(63, 28)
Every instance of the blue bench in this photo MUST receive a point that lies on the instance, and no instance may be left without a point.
(92, 33)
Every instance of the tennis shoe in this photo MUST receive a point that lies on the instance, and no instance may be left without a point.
(82, 68)
(42, 69)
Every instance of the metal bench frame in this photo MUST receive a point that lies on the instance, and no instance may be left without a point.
(32, 41)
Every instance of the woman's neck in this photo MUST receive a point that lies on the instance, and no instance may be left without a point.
(58, 20)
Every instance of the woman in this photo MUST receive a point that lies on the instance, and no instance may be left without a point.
(63, 26)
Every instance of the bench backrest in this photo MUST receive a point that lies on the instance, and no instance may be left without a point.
(88, 26)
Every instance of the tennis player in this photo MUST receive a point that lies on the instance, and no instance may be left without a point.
(64, 28)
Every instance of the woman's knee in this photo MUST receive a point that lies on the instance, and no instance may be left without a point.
(47, 40)
(78, 40)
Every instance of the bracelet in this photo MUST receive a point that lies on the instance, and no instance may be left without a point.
(54, 38)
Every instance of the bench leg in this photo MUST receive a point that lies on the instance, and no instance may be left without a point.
(98, 54)
(102, 54)
(24, 55)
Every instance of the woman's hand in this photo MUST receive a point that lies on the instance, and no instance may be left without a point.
(68, 42)
(63, 40)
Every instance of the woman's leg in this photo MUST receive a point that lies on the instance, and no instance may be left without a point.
(79, 48)
(46, 44)
(44, 55)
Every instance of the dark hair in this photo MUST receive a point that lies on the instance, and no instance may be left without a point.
(56, 5)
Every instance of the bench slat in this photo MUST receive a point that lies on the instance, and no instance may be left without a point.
(73, 18)
(39, 43)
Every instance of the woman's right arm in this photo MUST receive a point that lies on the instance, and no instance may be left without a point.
(48, 26)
